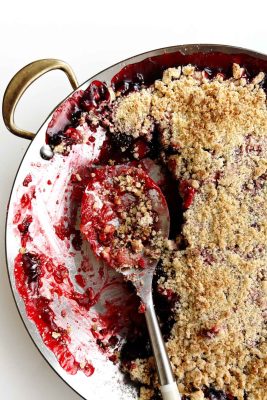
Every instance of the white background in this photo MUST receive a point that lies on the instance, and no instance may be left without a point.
(89, 35)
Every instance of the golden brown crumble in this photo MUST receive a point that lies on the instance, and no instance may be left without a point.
(141, 369)
(217, 131)
(146, 393)
(137, 224)
(211, 114)
(131, 115)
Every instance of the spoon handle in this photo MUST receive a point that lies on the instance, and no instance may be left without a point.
(168, 386)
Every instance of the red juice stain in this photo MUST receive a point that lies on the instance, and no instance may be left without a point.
(88, 369)
(113, 358)
(17, 217)
(142, 308)
(141, 148)
(74, 178)
(66, 359)
(27, 180)
(23, 228)
(80, 280)
(141, 263)
(94, 333)
(60, 273)
(86, 299)
(39, 311)
(25, 200)
(49, 182)
(74, 135)
(77, 241)
(62, 229)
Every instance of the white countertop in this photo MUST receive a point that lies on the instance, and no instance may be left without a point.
(89, 36)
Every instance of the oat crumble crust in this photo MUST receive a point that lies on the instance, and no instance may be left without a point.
(217, 132)
(137, 224)
(132, 114)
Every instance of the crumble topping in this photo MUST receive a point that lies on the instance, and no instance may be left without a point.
(131, 115)
(213, 133)
(138, 222)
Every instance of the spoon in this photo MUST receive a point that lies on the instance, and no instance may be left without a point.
(125, 218)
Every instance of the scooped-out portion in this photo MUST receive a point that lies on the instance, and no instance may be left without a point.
(122, 214)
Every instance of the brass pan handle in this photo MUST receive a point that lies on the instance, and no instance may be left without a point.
(21, 81)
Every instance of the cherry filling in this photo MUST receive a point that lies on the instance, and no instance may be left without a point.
(31, 266)
(96, 93)
(120, 216)
(213, 394)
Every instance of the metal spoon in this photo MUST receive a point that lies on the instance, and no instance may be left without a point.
(141, 278)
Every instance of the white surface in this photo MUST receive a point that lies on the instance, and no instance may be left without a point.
(90, 36)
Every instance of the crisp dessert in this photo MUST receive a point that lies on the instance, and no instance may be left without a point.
(201, 135)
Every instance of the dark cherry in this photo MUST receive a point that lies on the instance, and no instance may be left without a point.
(121, 140)
(96, 93)
(213, 394)
(113, 341)
(154, 144)
(77, 240)
(75, 118)
(138, 347)
(56, 139)
(30, 263)
(27, 180)
(45, 312)
(209, 72)
(24, 226)
(129, 85)
(157, 395)
(164, 306)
